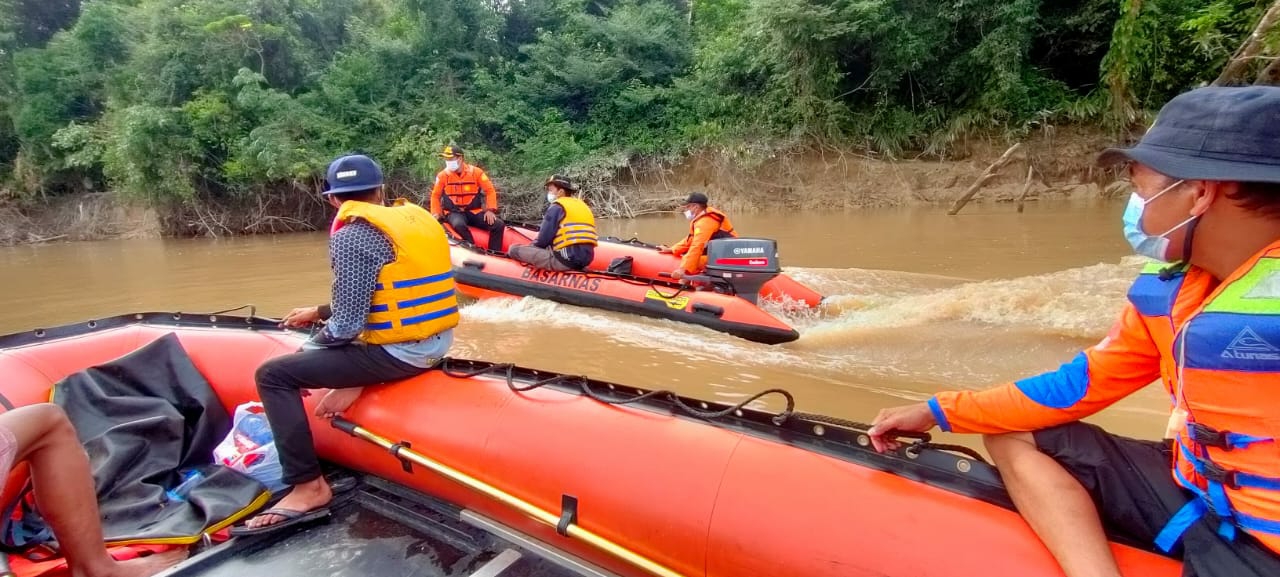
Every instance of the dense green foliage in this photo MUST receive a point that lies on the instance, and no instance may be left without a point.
(177, 101)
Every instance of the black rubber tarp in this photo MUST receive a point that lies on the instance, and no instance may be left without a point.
(146, 419)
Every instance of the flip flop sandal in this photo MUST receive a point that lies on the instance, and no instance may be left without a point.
(292, 518)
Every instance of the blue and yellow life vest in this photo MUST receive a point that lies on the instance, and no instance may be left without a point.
(578, 225)
(415, 296)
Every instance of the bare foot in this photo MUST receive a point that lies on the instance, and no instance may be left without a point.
(336, 401)
(304, 497)
(146, 566)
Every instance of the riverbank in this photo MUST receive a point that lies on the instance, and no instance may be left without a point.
(738, 180)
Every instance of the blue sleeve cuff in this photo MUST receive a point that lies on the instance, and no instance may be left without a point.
(938, 415)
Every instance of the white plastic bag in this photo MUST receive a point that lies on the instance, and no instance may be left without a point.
(250, 448)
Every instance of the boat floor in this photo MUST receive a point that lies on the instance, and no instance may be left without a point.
(384, 529)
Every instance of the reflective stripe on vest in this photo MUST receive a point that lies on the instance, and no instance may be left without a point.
(1228, 383)
(578, 225)
(415, 296)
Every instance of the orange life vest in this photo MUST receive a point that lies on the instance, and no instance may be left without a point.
(463, 190)
(1221, 366)
(724, 228)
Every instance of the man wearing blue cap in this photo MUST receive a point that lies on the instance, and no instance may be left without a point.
(391, 317)
(1204, 319)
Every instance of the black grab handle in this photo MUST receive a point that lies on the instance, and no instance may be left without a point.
(344, 425)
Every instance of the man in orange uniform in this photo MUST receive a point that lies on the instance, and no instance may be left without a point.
(456, 198)
(1206, 181)
(705, 225)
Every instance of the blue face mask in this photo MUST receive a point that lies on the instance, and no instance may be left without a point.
(1150, 246)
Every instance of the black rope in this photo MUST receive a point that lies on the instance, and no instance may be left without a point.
(252, 310)
(915, 448)
(633, 241)
(507, 372)
(679, 290)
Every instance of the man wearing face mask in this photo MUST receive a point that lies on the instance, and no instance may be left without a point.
(456, 198)
(705, 225)
(567, 239)
(1206, 180)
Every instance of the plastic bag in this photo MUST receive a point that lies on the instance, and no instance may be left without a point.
(250, 448)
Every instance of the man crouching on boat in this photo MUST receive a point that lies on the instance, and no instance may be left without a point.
(567, 239)
(391, 317)
(1206, 192)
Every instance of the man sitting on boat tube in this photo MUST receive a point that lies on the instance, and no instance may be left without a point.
(1206, 198)
(567, 239)
(705, 225)
(390, 317)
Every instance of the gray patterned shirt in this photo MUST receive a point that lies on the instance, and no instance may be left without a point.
(357, 253)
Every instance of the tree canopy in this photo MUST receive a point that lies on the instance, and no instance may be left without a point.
(179, 100)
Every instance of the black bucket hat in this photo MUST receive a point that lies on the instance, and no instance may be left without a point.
(1213, 133)
(562, 182)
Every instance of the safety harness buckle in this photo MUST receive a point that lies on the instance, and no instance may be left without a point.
(1210, 437)
(1214, 472)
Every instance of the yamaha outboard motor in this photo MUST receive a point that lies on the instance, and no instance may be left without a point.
(744, 263)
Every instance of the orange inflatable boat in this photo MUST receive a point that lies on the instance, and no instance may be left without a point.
(725, 298)
(599, 478)
(481, 274)
(646, 262)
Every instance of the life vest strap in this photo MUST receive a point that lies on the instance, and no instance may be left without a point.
(1225, 440)
(1214, 498)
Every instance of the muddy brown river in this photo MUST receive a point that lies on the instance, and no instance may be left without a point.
(917, 302)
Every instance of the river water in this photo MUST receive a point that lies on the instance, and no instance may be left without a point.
(917, 302)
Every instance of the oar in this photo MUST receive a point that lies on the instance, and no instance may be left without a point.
(570, 529)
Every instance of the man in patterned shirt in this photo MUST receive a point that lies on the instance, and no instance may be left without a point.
(391, 317)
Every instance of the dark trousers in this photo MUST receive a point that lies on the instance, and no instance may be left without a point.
(460, 220)
(1129, 480)
(281, 379)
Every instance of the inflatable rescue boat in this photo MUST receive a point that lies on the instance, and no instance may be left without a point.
(643, 260)
(477, 469)
(724, 298)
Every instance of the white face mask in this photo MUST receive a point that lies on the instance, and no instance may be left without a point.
(551, 197)
(1155, 246)
(688, 214)
(453, 164)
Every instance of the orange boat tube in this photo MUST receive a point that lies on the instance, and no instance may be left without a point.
(699, 488)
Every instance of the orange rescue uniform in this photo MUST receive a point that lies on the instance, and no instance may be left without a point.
(460, 191)
(1216, 349)
(706, 227)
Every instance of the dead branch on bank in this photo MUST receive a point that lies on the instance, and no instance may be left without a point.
(986, 177)
(1026, 187)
